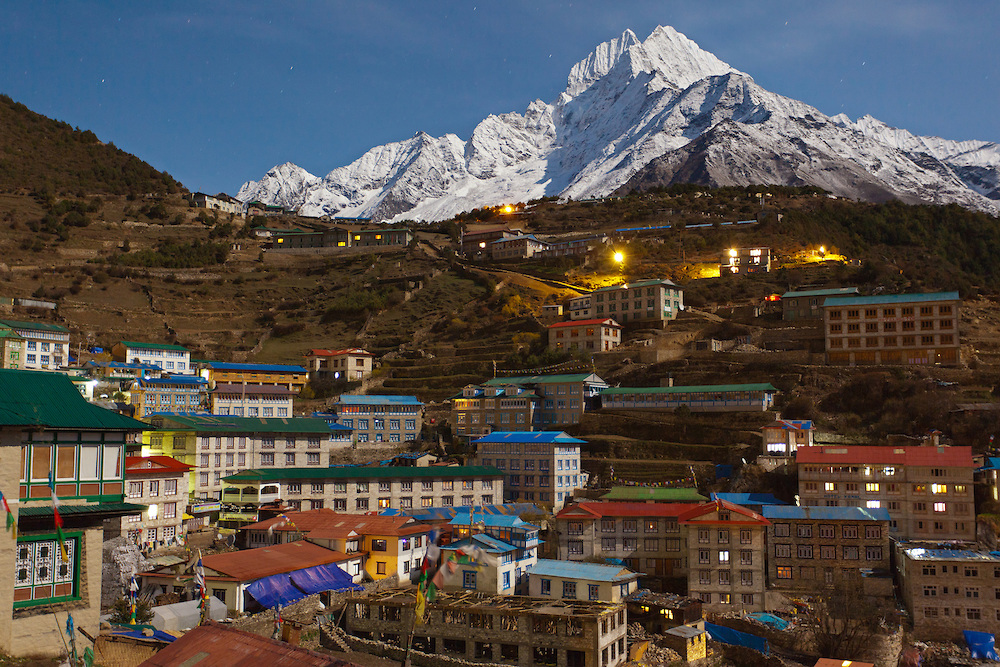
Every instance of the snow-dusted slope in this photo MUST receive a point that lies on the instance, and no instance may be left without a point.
(641, 113)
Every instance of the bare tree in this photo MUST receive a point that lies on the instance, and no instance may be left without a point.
(847, 622)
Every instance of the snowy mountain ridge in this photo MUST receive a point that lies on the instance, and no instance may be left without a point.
(637, 114)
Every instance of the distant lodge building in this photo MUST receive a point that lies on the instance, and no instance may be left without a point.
(177, 393)
(808, 304)
(477, 243)
(348, 364)
(46, 346)
(646, 303)
(251, 400)
(342, 237)
(220, 202)
(293, 378)
(893, 329)
(588, 335)
(698, 398)
(527, 246)
(741, 261)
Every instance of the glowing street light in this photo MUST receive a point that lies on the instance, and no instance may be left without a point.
(822, 250)
(620, 258)
(508, 209)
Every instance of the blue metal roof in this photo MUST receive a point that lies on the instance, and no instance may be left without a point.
(487, 543)
(835, 291)
(268, 368)
(544, 437)
(579, 570)
(825, 513)
(888, 299)
(952, 554)
(363, 399)
(449, 513)
(749, 498)
(462, 518)
(122, 364)
(991, 463)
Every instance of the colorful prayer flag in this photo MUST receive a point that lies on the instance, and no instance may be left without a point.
(57, 517)
(11, 521)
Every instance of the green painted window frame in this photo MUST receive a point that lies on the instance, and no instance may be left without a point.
(76, 538)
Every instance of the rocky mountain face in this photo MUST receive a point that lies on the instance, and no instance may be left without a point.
(635, 115)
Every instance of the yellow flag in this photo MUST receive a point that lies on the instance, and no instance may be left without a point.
(418, 609)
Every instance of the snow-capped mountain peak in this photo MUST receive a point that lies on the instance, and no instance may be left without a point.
(636, 114)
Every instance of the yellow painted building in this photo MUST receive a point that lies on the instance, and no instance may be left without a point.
(282, 375)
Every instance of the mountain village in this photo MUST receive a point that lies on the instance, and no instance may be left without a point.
(643, 417)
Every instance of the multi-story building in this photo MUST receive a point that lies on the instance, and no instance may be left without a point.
(219, 446)
(576, 580)
(349, 364)
(496, 629)
(161, 484)
(947, 591)
(521, 246)
(511, 545)
(171, 358)
(808, 304)
(585, 335)
(893, 329)
(46, 346)
(580, 307)
(121, 371)
(928, 490)
(477, 243)
(697, 398)
(646, 303)
(11, 349)
(479, 410)
(380, 419)
(367, 488)
(220, 202)
(252, 400)
(176, 393)
(391, 545)
(783, 437)
(646, 537)
(564, 398)
(540, 466)
(293, 378)
(50, 435)
(741, 261)
(809, 548)
(726, 556)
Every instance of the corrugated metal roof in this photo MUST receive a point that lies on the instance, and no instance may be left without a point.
(109, 509)
(217, 644)
(33, 326)
(180, 380)
(546, 567)
(465, 518)
(363, 472)
(268, 368)
(653, 493)
(486, 542)
(952, 554)
(840, 301)
(364, 399)
(913, 455)
(745, 515)
(545, 379)
(544, 437)
(153, 346)
(38, 398)
(824, 513)
(691, 389)
(835, 291)
(639, 283)
(749, 498)
(205, 423)
(253, 564)
(602, 509)
(577, 323)
(253, 389)
(136, 465)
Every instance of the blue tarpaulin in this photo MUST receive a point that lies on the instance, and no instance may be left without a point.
(730, 636)
(158, 635)
(981, 645)
(770, 619)
(327, 577)
(286, 588)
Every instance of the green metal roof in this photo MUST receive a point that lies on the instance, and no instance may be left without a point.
(653, 493)
(889, 299)
(205, 423)
(640, 283)
(119, 509)
(363, 472)
(541, 379)
(38, 398)
(693, 389)
(153, 346)
(834, 291)
(37, 326)
(10, 333)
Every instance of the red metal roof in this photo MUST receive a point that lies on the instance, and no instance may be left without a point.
(252, 564)
(598, 510)
(941, 455)
(746, 516)
(145, 465)
(217, 645)
(327, 524)
(574, 323)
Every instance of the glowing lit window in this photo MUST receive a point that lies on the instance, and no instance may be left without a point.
(874, 504)
(829, 486)
(872, 487)
(939, 488)
(940, 507)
